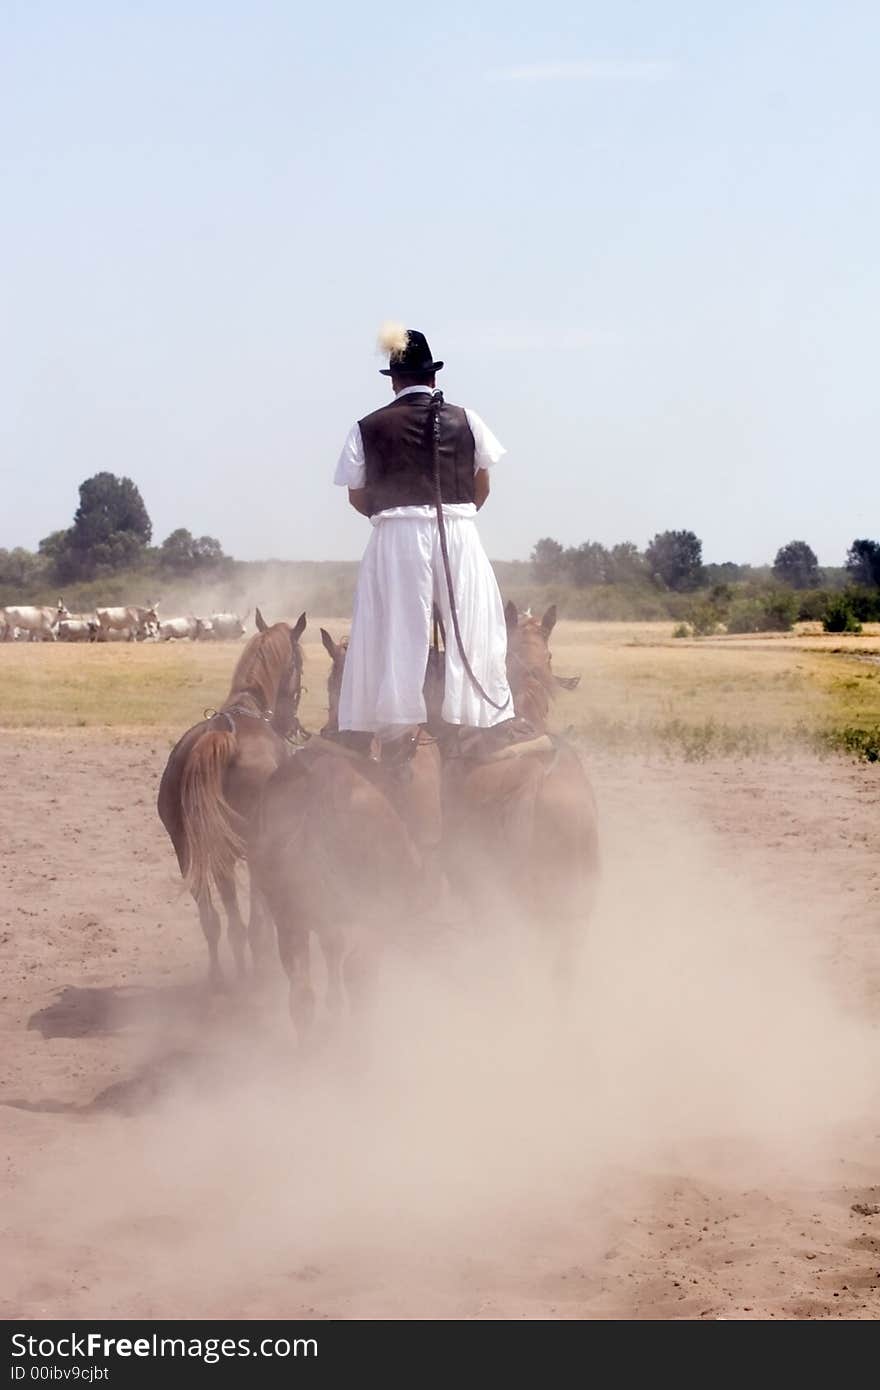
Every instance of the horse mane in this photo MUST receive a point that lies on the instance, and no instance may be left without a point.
(261, 664)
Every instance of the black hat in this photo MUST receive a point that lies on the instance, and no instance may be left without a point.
(409, 353)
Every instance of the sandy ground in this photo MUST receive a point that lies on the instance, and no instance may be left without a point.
(689, 1141)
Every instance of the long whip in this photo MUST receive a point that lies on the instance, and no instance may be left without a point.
(436, 405)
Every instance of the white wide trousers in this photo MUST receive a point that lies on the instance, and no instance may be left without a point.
(401, 578)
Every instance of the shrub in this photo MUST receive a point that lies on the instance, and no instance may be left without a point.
(704, 619)
(863, 744)
(744, 615)
(780, 611)
(840, 616)
(865, 604)
(813, 605)
(772, 611)
(681, 631)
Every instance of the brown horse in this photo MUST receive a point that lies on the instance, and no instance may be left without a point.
(414, 784)
(213, 778)
(524, 827)
(339, 849)
(330, 855)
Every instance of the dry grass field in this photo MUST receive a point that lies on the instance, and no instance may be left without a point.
(695, 1138)
(721, 695)
(640, 688)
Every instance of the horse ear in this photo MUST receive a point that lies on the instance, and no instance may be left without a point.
(300, 627)
(548, 622)
(330, 646)
(511, 616)
(262, 625)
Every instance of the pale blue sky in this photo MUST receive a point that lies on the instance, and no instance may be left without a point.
(644, 236)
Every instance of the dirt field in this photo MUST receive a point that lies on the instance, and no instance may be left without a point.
(691, 1142)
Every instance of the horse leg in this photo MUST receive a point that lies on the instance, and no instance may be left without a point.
(333, 946)
(257, 929)
(360, 970)
(293, 947)
(236, 928)
(210, 920)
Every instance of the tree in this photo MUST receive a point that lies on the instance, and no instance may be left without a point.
(728, 572)
(107, 506)
(110, 530)
(796, 565)
(626, 564)
(55, 550)
(587, 564)
(547, 561)
(182, 553)
(675, 560)
(18, 567)
(209, 551)
(863, 563)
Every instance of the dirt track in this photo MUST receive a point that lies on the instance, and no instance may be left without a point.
(691, 1146)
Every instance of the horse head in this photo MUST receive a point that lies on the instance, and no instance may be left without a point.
(270, 669)
(336, 652)
(529, 667)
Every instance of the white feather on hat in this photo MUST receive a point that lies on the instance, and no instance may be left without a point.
(393, 338)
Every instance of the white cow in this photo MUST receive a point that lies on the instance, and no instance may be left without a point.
(79, 627)
(38, 623)
(205, 630)
(228, 625)
(177, 629)
(136, 622)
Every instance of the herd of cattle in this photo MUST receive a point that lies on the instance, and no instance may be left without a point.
(23, 622)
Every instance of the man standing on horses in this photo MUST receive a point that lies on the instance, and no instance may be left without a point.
(394, 463)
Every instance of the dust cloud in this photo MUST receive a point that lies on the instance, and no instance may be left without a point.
(446, 1155)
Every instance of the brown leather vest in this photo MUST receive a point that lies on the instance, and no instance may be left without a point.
(399, 454)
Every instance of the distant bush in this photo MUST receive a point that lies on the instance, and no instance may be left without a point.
(780, 610)
(840, 617)
(813, 605)
(681, 631)
(706, 613)
(863, 744)
(704, 619)
(865, 603)
(772, 611)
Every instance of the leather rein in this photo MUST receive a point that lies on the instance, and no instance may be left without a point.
(436, 406)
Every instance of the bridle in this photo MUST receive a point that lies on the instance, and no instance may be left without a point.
(264, 714)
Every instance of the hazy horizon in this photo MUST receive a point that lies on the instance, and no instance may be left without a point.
(644, 243)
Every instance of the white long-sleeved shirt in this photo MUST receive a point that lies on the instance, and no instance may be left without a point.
(351, 470)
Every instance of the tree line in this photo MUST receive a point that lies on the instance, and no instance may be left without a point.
(110, 533)
(673, 560)
(670, 577)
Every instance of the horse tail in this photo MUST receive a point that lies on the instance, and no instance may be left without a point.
(213, 843)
